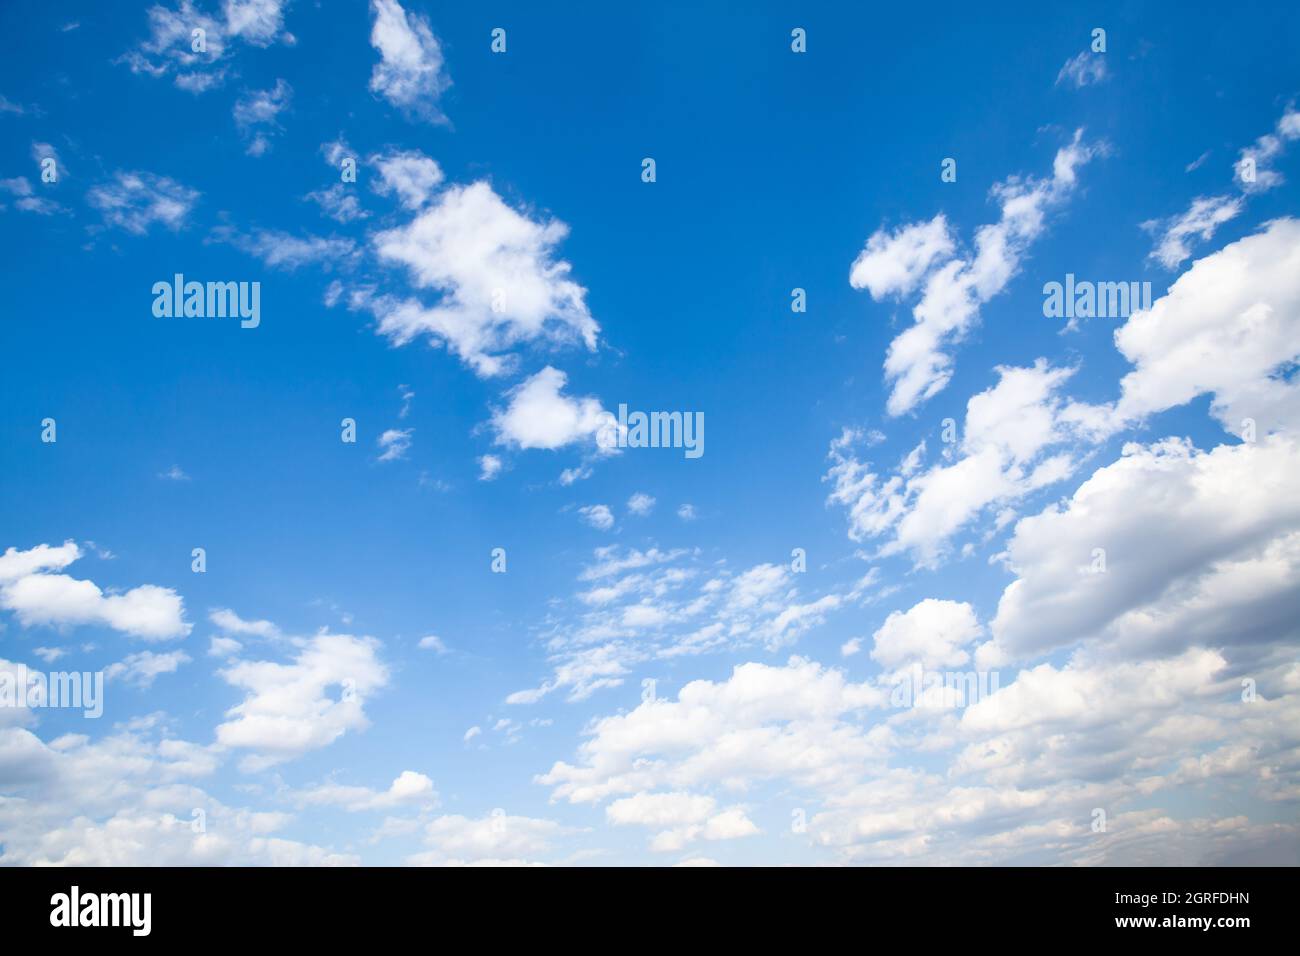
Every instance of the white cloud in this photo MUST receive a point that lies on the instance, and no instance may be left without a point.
(255, 114)
(598, 516)
(1201, 220)
(433, 643)
(762, 722)
(171, 50)
(687, 512)
(495, 837)
(134, 201)
(409, 789)
(682, 818)
(410, 72)
(305, 704)
(37, 597)
(893, 264)
(539, 416)
(411, 175)
(640, 504)
(1263, 151)
(932, 633)
(258, 22)
(640, 606)
(919, 362)
(394, 443)
(224, 647)
(16, 564)
(231, 623)
(127, 799)
(489, 467)
(27, 199)
(1004, 453)
(1083, 69)
(282, 250)
(1175, 234)
(1240, 305)
(339, 202)
(1197, 545)
(141, 669)
(575, 474)
(496, 276)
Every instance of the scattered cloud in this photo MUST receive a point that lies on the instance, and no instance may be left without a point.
(135, 201)
(410, 73)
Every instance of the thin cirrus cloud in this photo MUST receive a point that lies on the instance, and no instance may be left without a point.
(1083, 69)
(1177, 235)
(255, 114)
(136, 201)
(195, 49)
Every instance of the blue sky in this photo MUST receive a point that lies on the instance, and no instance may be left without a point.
(284, 691)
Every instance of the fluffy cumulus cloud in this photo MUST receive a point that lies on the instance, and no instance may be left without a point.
(33, 588)
(1128, 619)
(1189, 541)
(408, 174)
(304, 703)
(598, 516)
(496, 839)
(410, 73)
(495, 274)
(763, 722)
(1022, 769)
(955, 285)
(131, 798)
(539, 415)
(894, 263)
(1013, 442)
(1229, 327)
(680, 818)
(932, 633)
(1240, 307)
